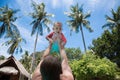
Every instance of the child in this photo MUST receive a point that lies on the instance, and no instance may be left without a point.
(56, 38)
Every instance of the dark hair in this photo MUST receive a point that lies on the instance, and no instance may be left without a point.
(51, 68)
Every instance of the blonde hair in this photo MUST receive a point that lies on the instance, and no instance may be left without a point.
(58, 24)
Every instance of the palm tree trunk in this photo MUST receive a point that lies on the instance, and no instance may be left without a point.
(83, 37)
(33, 55)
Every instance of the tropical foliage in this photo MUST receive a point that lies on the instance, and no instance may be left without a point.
(78, 20)
(108, 44)
(2, 57)
(26, 61)
(91, 67)
(7, 17)
(73, 53)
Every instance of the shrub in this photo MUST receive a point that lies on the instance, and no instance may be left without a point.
(91, 67)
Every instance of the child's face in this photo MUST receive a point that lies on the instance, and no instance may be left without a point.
(57, 29)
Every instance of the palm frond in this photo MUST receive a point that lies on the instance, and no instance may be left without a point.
(84, 21)
(13, 19)
(2, 30)
(48, 29)
(15, 11)
(72, 8)
(34, 5)
(34, 16)
(14, 28)
(12, 48)
(50, 15)
(14, 45)
(70, 22)
(109, 19)
(87, 15)
(110, 25)
(7, 43)
(81, 8)
(40, 29)
(34, 28)
(73, 25)
(42, 7)
(114, 14)
(33, 22)
(87, 26)
(23, 40)
(45, 22)
(13, 32)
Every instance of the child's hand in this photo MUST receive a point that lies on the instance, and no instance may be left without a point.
(51, 41)
(62, 45)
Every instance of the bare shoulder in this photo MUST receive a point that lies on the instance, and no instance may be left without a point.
(66, 77)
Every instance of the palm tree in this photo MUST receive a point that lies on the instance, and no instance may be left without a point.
(78, 20)
(7, 17)
(41, 18)
(113, 21)
(14, 42)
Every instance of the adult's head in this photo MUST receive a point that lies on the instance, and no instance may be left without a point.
(51, 68)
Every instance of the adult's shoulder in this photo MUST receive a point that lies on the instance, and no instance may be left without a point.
(67, 76)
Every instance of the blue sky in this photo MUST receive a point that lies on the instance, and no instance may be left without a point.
(98, 8)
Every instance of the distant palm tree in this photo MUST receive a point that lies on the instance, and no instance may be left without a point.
(78, 20)
(7, 17)
(41, 19)
(2, 57)
(26, 61)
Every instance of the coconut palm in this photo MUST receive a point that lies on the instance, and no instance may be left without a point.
(14, 42)
(40, 21)
(113, 21)
(78, 20)
(7, 17)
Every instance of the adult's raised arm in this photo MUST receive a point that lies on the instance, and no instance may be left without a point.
(67, 72)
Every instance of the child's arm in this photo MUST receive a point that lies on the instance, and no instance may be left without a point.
(63, 40)
(49, 37)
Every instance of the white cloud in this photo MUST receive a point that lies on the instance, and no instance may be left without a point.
(65, 4)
